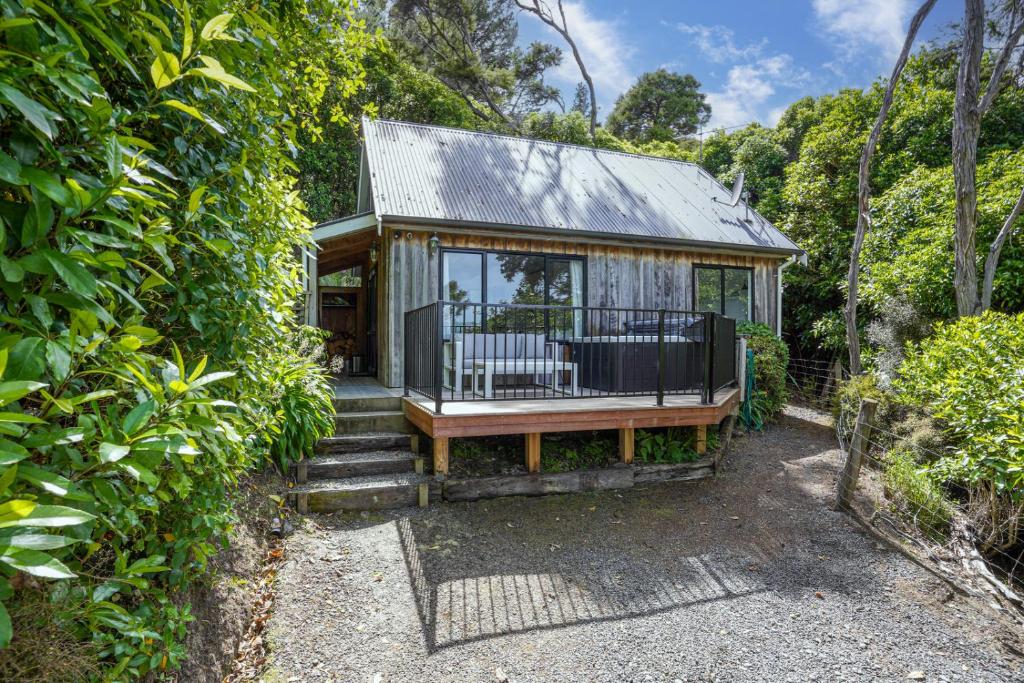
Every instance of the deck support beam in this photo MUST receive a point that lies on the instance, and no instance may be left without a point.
(441, 456)
(626, 444)
(533, 453)
(702, 439)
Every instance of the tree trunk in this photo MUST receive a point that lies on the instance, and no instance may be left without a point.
(966, 129)
(864, 189)
(992, 260)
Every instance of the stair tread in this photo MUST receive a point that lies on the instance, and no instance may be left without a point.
(371, 413)
(344, 438)
(376, 481)
(362, 456)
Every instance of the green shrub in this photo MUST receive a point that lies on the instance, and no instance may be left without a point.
(969, 377)
(771, 358)
(568, 451)
(147, 204)
(916, 497)
(668, 445)
(846, 403)
(307, 400)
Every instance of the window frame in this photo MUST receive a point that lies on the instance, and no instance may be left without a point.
(751, 308)
(548, 257)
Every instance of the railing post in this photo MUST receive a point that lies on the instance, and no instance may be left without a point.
(406, 348)
(439, 369)
(661, 356)
(708, 390)
(859, 445)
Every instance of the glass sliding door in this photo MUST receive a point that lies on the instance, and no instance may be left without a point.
(462, 280)
(565, 288)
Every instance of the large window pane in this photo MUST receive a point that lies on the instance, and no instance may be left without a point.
(515, 279)
(737, 293)
(709, 289)
(462, 277)
(565, 288)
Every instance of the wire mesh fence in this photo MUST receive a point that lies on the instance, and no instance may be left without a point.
(952, 529)
(814, 382)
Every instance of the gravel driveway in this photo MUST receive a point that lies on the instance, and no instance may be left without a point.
(748, 577)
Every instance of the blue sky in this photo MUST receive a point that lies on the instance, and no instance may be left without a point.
(752, 57)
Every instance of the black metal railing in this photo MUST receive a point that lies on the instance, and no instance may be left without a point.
(460, 351)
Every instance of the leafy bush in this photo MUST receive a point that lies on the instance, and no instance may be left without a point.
(306, 401)
(146, 203)
(670, 445)
(847, 399)
(918, 499)
(970, 378)
(568, 451)
(771, 357)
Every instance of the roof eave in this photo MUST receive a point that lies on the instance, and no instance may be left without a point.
(591, 235)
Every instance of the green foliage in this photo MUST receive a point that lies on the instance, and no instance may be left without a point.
(659, 106)
(147, 205)
(909, 252)
(970, 377)
(846, 403)
(771, 358)
(565, 452)
(306, 402)
(917, 497)
(669, 445)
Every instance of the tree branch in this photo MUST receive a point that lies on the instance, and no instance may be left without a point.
(1003, 61)
(864, 187)
(992, 260)
(541, 10)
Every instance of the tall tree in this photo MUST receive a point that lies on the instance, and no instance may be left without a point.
(541, 10)
(969, 108)
(471, 47)
(659, 106)
(581, 100)
(864, 188)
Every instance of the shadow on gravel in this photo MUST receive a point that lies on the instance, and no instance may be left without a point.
(472, 608)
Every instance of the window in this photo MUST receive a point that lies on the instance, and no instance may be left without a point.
(514, 278)
(724, 290)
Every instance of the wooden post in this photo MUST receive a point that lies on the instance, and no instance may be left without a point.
(702, 439)
(859, 445)
(441, 456)
(302, 471)
(533, 452)
(626, 444)
(414, 443)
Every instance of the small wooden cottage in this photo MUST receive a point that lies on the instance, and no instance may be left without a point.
(484, 268)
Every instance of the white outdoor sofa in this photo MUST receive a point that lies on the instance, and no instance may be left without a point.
(481, 356)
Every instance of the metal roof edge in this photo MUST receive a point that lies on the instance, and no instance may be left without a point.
(343, 226)
(588, 236)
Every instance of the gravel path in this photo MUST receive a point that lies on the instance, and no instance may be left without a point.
(749, 577)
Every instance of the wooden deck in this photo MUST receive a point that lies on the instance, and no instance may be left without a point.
(486, 418)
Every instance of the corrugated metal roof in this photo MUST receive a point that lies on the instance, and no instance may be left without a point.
(449, 175)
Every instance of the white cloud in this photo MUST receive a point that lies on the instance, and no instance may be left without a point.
(606, 54)
(749, 87)
(718, 43)
(864, 25)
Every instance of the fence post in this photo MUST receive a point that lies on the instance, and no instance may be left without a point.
(439, 360)
(708, 391)
(859, 445)
(661, 356)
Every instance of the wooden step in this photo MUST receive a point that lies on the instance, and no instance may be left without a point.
(379, 492)
(363, 404)
(342, 465)
(367, 441)
(370, 421)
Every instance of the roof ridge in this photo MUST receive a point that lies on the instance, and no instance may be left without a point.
(538, 141)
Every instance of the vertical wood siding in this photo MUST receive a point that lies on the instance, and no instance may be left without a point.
(622, 277)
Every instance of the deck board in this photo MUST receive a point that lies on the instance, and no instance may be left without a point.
(484, 418)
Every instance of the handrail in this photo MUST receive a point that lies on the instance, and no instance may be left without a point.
(466, 351)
